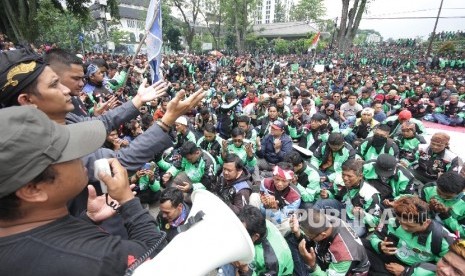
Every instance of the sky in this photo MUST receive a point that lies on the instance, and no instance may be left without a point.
(406, 28)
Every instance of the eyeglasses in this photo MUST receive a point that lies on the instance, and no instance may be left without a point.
(330, 110)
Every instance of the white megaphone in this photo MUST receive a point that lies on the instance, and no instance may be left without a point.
(218, 239)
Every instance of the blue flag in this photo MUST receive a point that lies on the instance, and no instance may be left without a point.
(154, 40)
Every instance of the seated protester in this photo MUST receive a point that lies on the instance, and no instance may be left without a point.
(360, 200)
(452, 113)
(329, 109)
(306, 179)
(326, 246)
(243, 122)
(197, 167)
(435, 158)
(240, 147)
(310, 136)
(392, 103)
(173, 212)
(377, 105)
(277, 198)
(299, 115)
(283, 110)
(211, 142)
(395, 122)
(408, 142)
(389, 177)
(272, 254)
(365, 100)
(274, 146)
(446, 200)
(416, 106)
(264, 123)
(330, 156)
(409, 244)
(147, 183)
(361, 128)
(94, 86)
(36, 182)
(379, 143)
(452, 262)
(204, 117)
(234, 184)
(349, 109)
(183, 134)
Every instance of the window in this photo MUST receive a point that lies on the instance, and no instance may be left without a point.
(267, 21)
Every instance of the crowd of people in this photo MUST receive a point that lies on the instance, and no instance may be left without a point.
(326, 166)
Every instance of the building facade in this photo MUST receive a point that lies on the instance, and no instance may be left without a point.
(274, 11)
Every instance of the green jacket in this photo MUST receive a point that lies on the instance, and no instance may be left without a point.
(272, 255)
(308, 183)
(203, 171)
(408, 149)
(321, 157)
(242, 153)
(454, 220)
(365, 196)
(399, 184)
(413, 249)
(119, 81)
(367, 151)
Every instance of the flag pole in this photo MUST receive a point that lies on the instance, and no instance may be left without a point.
(142, 41)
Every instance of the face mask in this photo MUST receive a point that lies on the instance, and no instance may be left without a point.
(378, 140)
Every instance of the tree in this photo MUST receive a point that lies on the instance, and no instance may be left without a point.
(279, 12)
(281, 46)
(350, 21)
(171, 28)
(308, 10)
(214, 18)
(189, 11)
(56, 26)
(237, 12)
(19, 17)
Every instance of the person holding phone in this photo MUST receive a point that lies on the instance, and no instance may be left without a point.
(334, 248)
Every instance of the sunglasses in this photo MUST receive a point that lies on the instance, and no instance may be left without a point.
(330, 110)
(237, 140)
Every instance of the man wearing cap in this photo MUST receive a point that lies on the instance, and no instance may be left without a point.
(326, 245)
(389, 177)
(396, 121)
(274, 146)
(26, 80)
(452, 113)
(36, 182)
(435, 158)
(183, 132)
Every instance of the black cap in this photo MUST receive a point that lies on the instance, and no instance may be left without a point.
(18, 69)
(385, 165)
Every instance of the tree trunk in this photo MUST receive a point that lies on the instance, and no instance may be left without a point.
(343, 24)
(358, 18)
(12, 18)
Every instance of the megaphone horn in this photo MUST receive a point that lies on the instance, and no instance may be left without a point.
(212, 240)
